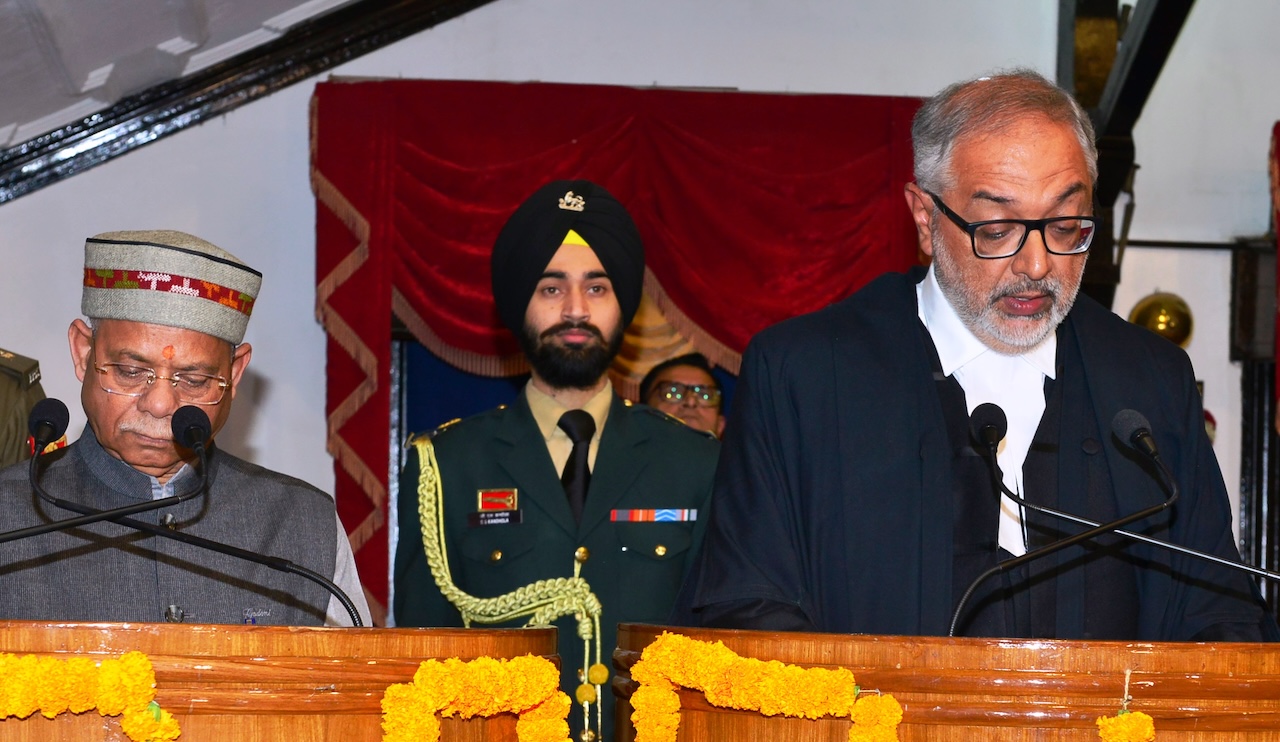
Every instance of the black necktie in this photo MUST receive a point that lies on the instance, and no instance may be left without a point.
(580, 426)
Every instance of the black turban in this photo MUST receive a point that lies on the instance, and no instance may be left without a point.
(536, 230)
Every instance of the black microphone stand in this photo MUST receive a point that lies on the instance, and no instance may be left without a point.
(276, 563)
(94, 516)
(1171, 486)
(1258, 571)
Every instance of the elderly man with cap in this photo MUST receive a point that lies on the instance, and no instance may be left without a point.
(522, 502)
(167, 313)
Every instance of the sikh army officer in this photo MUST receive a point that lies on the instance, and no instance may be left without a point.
(569, 477)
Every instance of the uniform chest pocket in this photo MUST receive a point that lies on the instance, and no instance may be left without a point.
(497, 546)
(660, 542)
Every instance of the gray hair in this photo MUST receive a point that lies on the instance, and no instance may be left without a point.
(987, 105)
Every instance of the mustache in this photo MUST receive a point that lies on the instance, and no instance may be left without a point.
(567, 326)
(164, 432)
(1048, 287)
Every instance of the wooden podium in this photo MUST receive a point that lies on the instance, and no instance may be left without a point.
(254, 683)
(995, 689)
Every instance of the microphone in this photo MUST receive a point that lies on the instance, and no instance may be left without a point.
(1131, 428)
(47, 422)
(988, 424)
(192, 429)
(1135, 431)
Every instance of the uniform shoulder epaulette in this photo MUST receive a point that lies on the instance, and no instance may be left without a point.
(431, 434)
(443, 427)
(25, 370)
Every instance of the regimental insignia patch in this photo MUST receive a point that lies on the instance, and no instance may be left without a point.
(658, 515)
(506, 499)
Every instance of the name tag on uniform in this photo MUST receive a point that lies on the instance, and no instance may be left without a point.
(494, 518)
(655, 515)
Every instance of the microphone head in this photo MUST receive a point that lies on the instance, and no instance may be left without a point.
(191, 426)
(1129, 423)
(988, 417)
(48, 420)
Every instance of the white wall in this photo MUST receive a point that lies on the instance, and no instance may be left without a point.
(1202, 144)
(241, 181)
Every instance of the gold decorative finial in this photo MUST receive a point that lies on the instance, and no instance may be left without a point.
(570, 202)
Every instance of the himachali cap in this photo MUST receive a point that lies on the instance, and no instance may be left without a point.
(163, 277)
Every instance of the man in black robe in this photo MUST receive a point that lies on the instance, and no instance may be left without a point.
(852, 496)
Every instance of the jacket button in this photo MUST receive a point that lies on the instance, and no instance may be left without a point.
(170, 522)
(581, 554)
(1090, 446)
(660, 550)
(174, 614)
(496, 556)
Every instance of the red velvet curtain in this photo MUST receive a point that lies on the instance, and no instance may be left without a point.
(753, 208)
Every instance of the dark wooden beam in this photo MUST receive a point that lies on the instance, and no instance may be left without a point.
(1146, 38)
(306, 50)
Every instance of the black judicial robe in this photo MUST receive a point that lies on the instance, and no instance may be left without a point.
(833, 501)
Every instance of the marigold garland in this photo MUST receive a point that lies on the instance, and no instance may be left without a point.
(731, 681)
(123, 686)
(528, 686)
(1127, 726)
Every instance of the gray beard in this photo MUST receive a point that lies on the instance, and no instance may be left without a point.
(985, 321)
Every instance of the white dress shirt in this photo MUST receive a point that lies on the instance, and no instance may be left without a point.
(1015, 383)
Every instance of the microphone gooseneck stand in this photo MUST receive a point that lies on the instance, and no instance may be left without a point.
(197, 444)
(1138, 437)
(988, 424)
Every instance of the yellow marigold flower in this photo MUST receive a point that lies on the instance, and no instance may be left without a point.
(51, 688)
(149, 724)
(23, 700)
(82, 677)
(728, 680)
(873, 734)
(877, 710)
(407, 715)
(1127, 727)
(542, 730)
(482, 687)
(556, 706)
(655, 714)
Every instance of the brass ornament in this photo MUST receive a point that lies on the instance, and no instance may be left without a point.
(1165, 314)
(571, 202)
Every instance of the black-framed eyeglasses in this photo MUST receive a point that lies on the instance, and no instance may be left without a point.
(134, 381)
(674, 391)
(1003, 238)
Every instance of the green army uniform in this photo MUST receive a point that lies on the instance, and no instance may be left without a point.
(19, 391)
(647, 461)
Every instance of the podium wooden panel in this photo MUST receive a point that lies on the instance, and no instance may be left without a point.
(229, 683)
(995, 689)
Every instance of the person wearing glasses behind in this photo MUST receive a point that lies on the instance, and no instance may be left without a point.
(683, 387)
(852, 495)
(167, 313)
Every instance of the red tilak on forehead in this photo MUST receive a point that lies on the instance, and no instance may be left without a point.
(167, 352)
